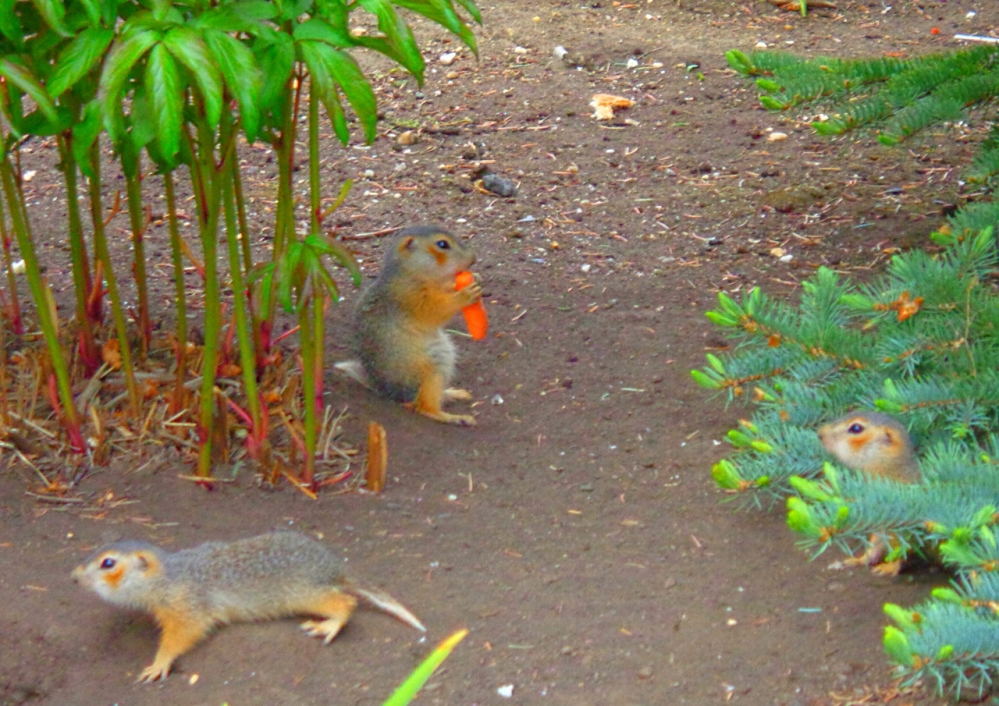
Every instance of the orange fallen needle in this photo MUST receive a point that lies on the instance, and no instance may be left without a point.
(475, 313)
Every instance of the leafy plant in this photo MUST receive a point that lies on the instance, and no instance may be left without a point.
(177, 85)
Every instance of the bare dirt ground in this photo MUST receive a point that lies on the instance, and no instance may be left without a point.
(576, 531)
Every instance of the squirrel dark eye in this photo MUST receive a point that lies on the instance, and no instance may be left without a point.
(443, 245)
(108, 563)
(855, 428)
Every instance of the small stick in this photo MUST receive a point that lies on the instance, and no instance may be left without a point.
(372, 234)
(377, 457)
(977, 38)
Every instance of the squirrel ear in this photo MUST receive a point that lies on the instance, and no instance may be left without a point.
(407, 244)
(891, 437)
(144, 560)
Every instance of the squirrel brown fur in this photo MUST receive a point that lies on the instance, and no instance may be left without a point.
(192, 591)
(404, 353)
(877, 444)
(874, 443)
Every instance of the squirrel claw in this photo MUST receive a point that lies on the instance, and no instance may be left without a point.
(153, 673)
(326, 629)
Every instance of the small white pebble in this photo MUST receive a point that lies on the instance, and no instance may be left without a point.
(519, 50)
(560, 52)
(776, 137)
(505, 691)
(586, 268)
(17, 267)
(452, 496)
(632, 62)
(193, 680)
(761, 45)
(496, 399)
(787, 258)
(447, 58)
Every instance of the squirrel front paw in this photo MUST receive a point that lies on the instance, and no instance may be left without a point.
(470, 294)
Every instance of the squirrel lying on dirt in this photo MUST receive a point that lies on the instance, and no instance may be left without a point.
(877, 444)
(405, 355)
(191, 591)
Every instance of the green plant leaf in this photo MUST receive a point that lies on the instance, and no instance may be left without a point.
(327, 246)
(740, 62)
(117, 66)
(897, 646)
(328, 65)
(408, 689)
(85, 133)
(54, 14)
(726, 475)
(165, 91)
(78, 58)
(287, 273)
(242, 76)
(704, 380)
(143, 129)
(322, 31)
(442, 12)
(277, 61)
(10, 24)
(190, 50)
(18, 75)
(397, 33)
(901, 616)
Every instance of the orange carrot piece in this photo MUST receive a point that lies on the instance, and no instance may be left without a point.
(475, 313)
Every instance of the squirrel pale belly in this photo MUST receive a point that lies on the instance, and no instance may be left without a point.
(192, 591)
(403, 352)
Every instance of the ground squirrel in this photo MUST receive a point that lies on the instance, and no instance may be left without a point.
(872, 442)
(877, 444)
(189, 592)
(404, 353)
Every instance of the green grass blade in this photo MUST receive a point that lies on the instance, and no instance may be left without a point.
(408, 689)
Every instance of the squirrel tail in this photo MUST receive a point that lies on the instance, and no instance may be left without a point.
(388, 604)
(353, 369)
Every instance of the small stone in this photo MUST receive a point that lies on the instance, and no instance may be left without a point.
(499, 185)
(645, 673)
(776, 137)
(408, 138)
(447, 58)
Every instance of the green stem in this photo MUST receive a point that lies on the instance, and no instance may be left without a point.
(308, 387)
(315, 204)
(244, 239)
(213, 311)
(284, 225)
(42, 296)
(247, 354)
(178, 276)
(16, 324)
(82, 281)
(131, 161)
(104, 256)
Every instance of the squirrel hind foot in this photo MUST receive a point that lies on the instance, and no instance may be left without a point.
(326, 629)
(455, 394)
(337, 607)
(439, 415)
